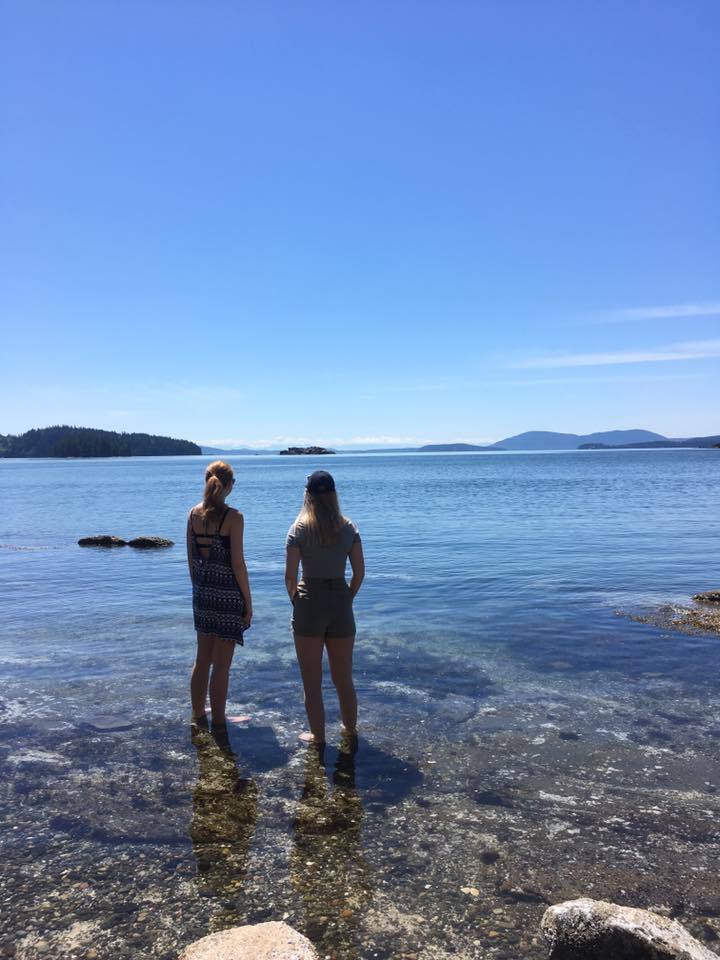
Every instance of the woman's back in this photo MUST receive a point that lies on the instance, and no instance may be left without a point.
(323, 562)
(204, 529)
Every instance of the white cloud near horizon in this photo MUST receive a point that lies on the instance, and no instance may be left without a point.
(618, 378)
(691, 350)
(677, 311)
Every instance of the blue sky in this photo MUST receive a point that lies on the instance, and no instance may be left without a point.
(360, 223)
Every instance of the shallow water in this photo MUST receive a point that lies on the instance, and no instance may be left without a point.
(521, 740)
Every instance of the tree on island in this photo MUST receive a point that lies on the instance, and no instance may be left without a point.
(65, 441)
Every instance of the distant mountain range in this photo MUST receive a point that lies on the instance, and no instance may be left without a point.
(547, 440)
(531, 440)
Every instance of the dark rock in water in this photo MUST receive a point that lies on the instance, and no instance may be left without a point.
(104, 540)
(595, 930)
(108, 724)
(150, 543)
(490, 798)
(710, 596)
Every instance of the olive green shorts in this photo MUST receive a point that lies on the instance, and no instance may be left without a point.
(323, 608)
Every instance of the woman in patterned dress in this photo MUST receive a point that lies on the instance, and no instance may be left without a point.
(222, 605)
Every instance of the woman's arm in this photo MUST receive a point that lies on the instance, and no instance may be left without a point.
(237, 528)
(292, 563)
(357, 562)
(188, 538)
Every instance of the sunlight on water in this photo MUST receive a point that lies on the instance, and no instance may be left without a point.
(520, 738)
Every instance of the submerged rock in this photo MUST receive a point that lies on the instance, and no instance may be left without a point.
(710, 596)
(150, 543)
(705, 616)
(103, 540)
(105, 723)
(595, 930)
(259, 941)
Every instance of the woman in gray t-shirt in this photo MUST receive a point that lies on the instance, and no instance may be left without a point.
(322, 539)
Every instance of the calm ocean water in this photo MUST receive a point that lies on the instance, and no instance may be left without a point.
(495, 669)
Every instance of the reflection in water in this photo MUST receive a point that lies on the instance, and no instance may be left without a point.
(224, 815)
(328, 868)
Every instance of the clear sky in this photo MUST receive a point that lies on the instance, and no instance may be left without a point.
(332, 222)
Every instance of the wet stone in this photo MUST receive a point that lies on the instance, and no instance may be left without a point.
(108, 724)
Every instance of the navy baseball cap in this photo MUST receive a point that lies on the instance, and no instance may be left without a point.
(320, 482)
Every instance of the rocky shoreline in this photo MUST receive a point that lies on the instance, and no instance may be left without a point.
(582, 929)
(703, 617)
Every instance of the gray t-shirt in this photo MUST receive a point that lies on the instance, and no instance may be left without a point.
(323, 562)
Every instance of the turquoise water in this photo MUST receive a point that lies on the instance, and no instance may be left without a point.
(497, 673)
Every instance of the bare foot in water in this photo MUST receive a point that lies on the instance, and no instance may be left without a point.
(308, 737)
(240, 718)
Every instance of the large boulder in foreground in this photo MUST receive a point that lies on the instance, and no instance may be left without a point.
(104, 540)
(259, 941)
(150, 543)
(595, 930)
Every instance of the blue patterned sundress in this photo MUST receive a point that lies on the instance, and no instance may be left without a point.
(218, 603)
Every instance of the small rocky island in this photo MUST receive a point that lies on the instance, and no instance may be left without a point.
(304, 451)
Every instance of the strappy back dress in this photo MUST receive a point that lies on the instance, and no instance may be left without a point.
(218, 603)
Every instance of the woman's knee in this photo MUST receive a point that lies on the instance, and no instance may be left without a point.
(345, 689)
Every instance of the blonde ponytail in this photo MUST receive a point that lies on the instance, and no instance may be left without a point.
(218, 476)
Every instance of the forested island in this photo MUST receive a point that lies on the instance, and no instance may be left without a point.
(65, 441)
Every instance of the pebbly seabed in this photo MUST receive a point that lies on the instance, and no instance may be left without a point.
(458, 820)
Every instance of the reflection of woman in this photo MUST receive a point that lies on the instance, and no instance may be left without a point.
(222, 607)
(323, 539)
(327, 865)
(224, 815)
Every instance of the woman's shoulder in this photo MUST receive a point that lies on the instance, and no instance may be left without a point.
(295, 533)
(234, 516)
(351, 527)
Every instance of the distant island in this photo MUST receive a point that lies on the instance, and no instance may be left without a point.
(694, 442)
(303, 451)
(65, 441)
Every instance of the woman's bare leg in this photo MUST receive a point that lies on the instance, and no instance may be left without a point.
(340, 655)
(200, 674)
(222, 654)
(310, 653)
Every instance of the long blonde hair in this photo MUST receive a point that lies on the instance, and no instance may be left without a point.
(218, 476)
(321, 517)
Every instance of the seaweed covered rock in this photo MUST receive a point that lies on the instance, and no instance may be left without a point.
(710, 596)
(595, 930)
(103, 540)
(259, 941)
(150, 543)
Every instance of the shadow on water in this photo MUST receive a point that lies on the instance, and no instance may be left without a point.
(224, 815)
(327, 866)
(259, 748)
